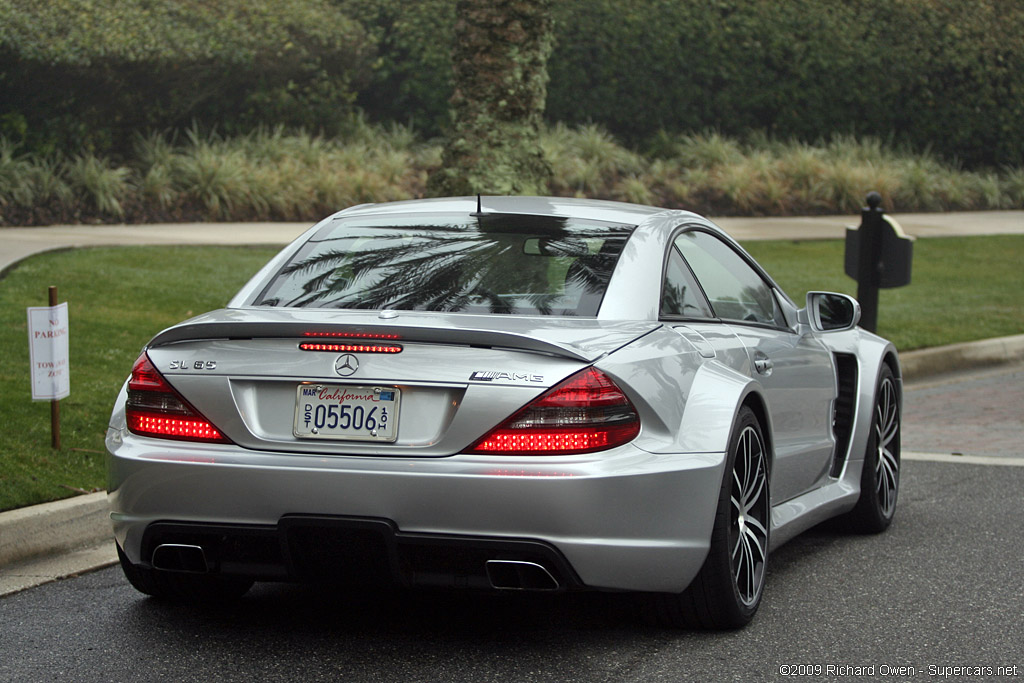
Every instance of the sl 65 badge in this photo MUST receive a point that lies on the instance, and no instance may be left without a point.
(194, 365)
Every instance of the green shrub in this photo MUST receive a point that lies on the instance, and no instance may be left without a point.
(98, 184)
(941, 75)
(15, 184)
(945, 75)
(111, 69)
(412, 80)
(275, 174)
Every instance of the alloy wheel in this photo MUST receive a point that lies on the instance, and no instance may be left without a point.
(887, 462)
(748, 533)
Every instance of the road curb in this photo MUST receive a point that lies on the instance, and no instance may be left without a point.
(64, 526)
(54, 528)
(969, 355)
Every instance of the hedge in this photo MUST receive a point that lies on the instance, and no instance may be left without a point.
(946, 75)
(940, 75)
(83, 74)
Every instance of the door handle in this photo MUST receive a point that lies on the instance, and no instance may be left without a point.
(763, 364)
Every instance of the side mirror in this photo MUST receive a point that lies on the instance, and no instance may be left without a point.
(831, 312)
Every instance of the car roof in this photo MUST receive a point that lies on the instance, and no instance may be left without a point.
(592, 209)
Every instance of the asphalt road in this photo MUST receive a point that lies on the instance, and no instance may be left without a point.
(970, 413)
(941, 594)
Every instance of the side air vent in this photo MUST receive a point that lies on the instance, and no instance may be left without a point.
(845, 407)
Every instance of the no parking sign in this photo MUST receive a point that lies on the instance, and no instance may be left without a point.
(48, 352)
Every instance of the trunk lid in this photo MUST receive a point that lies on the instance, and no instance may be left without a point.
(456, 377)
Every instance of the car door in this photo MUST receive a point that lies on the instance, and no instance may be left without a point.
(795, 370)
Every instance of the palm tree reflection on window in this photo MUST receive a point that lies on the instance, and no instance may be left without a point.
(491, 264)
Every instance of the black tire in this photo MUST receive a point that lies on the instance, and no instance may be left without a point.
(728, 589)
(880, 477)
(183, 587)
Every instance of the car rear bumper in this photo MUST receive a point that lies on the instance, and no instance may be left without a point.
(623, 519)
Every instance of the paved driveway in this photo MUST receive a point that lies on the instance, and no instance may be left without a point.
(966, 414)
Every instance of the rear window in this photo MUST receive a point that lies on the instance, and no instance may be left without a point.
(495, 263)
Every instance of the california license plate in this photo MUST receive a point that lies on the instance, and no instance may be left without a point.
(337, 411)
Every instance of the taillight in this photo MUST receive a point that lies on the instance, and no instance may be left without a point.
(154, 408)
(352, 335)
(584, 413)
(351, 348)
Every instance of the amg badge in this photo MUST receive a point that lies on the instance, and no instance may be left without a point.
(492, 375)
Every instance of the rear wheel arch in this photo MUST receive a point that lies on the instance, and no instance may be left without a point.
(727, 590)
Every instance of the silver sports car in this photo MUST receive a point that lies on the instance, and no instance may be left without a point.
(504, 393)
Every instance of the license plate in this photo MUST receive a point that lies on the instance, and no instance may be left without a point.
(336, 411)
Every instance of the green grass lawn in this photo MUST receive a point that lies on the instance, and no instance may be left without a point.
(963, 289)
(118, 298)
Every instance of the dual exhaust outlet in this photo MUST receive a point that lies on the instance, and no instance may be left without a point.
(511, 575)
(518, 575)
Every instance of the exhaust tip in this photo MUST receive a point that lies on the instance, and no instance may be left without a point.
(176, 557)
(517, 575)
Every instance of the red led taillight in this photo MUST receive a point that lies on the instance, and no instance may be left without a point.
(586, 412)
(150, 424)
(368, 347)
(154, 408)
(351, 335)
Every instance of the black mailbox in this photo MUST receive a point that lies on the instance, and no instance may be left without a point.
(895, 257)
(878, 256)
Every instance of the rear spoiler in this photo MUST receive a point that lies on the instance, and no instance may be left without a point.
(586, 339)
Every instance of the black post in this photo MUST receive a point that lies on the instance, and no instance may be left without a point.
(869, 257)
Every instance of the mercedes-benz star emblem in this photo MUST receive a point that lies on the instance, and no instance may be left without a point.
(346, 365)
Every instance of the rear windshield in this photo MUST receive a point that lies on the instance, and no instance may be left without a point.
(496, 263)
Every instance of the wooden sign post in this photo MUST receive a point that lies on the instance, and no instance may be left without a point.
(48, 353)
